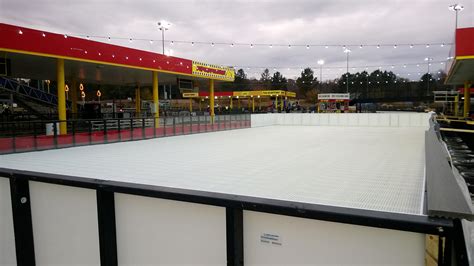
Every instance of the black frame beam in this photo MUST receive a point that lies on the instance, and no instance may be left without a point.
(396, 221)
(107, 227)
(22, 222)
(235, 236)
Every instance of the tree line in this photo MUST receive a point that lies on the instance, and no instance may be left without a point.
(378, 84)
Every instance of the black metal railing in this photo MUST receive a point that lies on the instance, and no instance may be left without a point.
(21, 136)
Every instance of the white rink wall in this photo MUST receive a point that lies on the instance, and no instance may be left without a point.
(299, 241)
(394, 119)
(153, 231)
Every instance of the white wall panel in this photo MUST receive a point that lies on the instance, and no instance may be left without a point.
(311, 242)
(65, 226)
(154, 231)
(349, 119)
(7, 237)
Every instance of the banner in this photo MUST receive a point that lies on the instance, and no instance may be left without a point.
(213, 71)
(190, 94)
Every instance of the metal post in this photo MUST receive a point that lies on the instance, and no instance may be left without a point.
(137, 101)
(428, 80)
(13, 137)
(143, 128)
(35, 135)
(73, 132)
(105, 131)
(119, 130)
(190, 124)
(199, 124)
(347, 74)
(164, 126)
(22, 222)
(90, 132)
(131, 128)
(163, 39)
(107, 228)
(174, 126)
(321, 76)
(55, 135)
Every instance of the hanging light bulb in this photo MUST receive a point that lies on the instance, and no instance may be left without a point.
(130, 40)
(411, 45)
(360, 47)
(442, 45)
(251, 45)
(428, 45)
(232, 45)
(271, 46)
(65, 36)
(326, 47)
(151, 41)
(43, 34)
(20, 32)
(108, 38)
(289, 46)
(395, 46)
(378, 46)
(307, 46)
(172, 43)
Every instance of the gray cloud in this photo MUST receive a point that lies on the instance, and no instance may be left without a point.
(288, 22)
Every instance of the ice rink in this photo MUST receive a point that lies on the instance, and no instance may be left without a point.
(375, 168)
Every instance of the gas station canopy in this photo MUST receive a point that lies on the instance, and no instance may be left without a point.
(461, 65)
(32, 53)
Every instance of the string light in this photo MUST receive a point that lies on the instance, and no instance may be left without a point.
(308, 45)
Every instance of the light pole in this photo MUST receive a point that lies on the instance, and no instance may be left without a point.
(428, 60)
(163, 26)
(456, 8)
(347, 51)
(321, 63)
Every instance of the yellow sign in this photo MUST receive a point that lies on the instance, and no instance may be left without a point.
(190, 94)
(213, 71)
(290, 94)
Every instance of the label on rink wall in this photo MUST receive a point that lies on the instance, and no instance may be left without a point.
(270, 239)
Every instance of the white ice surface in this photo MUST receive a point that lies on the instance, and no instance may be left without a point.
(376, 168)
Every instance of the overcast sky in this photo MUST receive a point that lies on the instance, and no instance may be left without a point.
(276, 22)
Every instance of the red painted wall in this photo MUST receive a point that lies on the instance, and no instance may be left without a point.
(56, 45)
(465, 42)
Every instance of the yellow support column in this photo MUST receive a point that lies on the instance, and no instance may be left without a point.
(253, 105)
(61, 96)
(211, 99)
(156, 102)
(137, 101)
(238, 103)
(231, 105)
(190, 105)
(467, 98)
(276, 103)
(73, 90)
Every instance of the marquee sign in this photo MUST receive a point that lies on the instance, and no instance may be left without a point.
(334, 96)
(213, 71)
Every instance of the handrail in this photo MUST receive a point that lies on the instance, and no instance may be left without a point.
(29, 91)
(21, 136)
